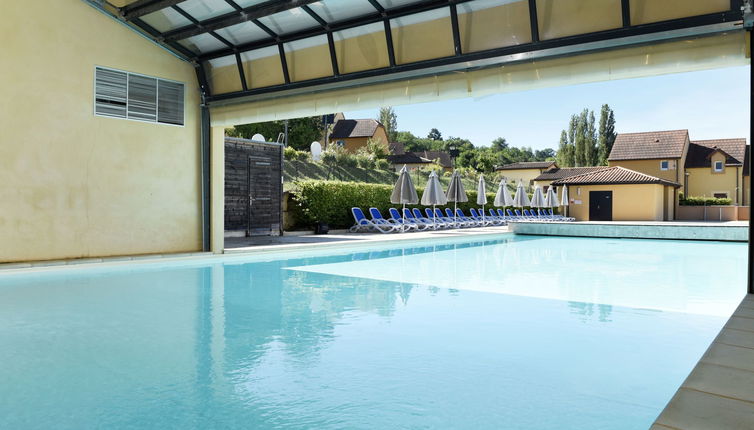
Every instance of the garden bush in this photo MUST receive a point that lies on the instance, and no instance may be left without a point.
(331, 201)
(292, 154)
(703, 201)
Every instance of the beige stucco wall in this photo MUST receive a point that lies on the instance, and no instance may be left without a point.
(524, 175)
(704, 181)
(746, 191)
(631, 202)
(73, 184)
(652, 168)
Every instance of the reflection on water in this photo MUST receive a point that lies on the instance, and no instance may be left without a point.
(285, 344)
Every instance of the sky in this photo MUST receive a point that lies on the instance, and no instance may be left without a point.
(710, 104)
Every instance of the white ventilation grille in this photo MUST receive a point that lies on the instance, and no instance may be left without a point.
(127, 95)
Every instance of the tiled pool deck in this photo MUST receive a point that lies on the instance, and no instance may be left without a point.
(719, 392)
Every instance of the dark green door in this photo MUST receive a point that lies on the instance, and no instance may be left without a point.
(600, 205)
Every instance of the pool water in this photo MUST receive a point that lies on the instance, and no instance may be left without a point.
(507, 332)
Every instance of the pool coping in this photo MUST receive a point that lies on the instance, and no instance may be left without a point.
(660, 230)
(719, 391)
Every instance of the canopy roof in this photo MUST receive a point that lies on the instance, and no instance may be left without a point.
(252, 48)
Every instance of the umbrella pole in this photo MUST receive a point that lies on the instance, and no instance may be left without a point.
(403, 228)
(455, 215)
(483, 221)
(434, 218)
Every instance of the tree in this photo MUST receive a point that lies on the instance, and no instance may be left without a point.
(389, 120)
(606, 134)
(580, 140)
(565, 157)
(590, 143)
(301, 131)
(434, 134)
(499, 144)
(546, 154)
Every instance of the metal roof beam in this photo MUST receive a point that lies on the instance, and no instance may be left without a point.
(140, 8)
(376, 17)
(236, 17)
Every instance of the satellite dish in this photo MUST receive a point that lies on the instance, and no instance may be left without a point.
(258, 137)
(316, 149)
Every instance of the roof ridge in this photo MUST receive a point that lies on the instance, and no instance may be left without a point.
(588, 173)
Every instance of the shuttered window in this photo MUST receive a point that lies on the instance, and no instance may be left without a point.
(127, 95)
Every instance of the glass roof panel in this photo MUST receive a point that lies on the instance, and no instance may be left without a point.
(246, 3)
(478, 5)
(202, 43)
(223, 61)
(339, 10)
(256, 54)
(242, 33)
(205, 9)
(392, 4)
(289, 21)
(165, 20)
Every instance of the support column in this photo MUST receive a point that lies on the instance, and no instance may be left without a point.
(217, 179)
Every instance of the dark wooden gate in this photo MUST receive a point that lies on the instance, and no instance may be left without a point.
(253, 187)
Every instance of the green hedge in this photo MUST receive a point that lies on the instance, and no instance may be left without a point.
(704, 201)
(331, 201)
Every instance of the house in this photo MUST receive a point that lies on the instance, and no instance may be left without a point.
(546, 178)
(399, 158)
(715, 168)
(353, 134)
(619, 194)
(525, 171)
(660, 154)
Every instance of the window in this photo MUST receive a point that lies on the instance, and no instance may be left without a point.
(720, 195)
(718, 166)
(664, 165)
(119, 94)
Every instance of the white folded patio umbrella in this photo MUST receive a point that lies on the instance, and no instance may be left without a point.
(503, 196)
(564, 199)
(521, 199)
(433, 195)
(404, 193)
(481, 194)
(537, 199)
(456, 193)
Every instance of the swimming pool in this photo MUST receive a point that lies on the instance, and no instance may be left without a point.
(501, 332)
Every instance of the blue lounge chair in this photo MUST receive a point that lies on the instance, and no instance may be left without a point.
(429, 219)
(365, 225)
(483, 220)
(450, 222)
(469, 220)
(377, 218)
(498, 215)
(514, 216)
(395, 217)
(421, 222)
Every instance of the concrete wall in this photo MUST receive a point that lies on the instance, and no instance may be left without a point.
(77, 185)
(631, 202)
(713, 213)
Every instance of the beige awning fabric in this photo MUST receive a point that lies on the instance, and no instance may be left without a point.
(722, 50)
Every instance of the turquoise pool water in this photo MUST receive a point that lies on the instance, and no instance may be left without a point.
(515, 333)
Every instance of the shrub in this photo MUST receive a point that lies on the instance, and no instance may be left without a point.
(704, 201)
(331, 201)
(294, 154)
(377, 148)
(365, 159)
(381, 164)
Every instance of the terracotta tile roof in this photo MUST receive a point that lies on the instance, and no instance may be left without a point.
(649, 145)
(564, 172)
(701, 150)
(613, 175)
(527, 165)
(354, 128)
